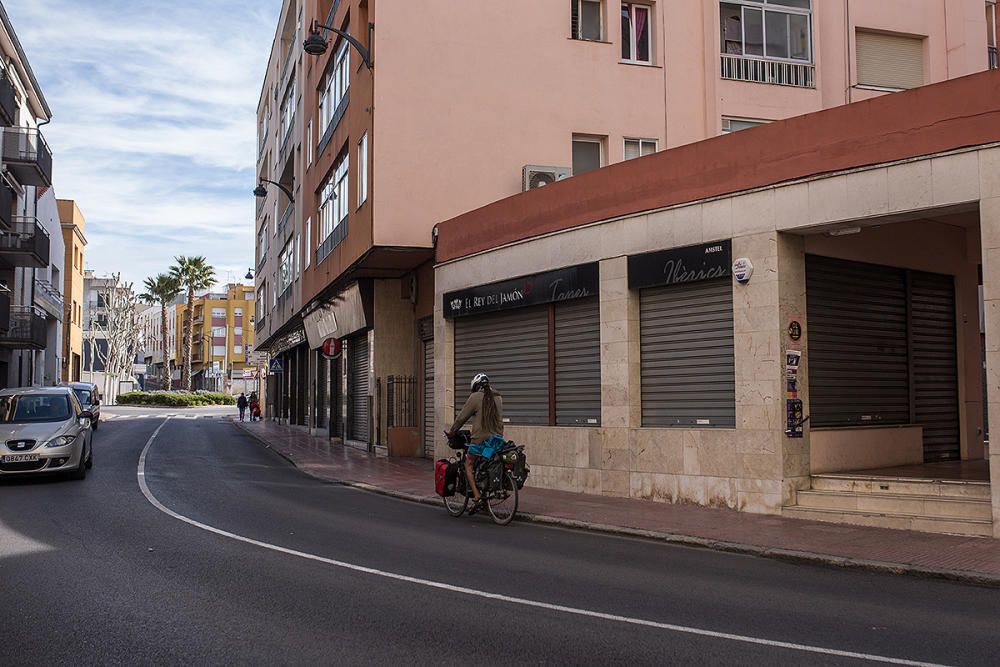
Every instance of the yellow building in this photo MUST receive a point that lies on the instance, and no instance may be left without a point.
(223, 338)
(73, 226)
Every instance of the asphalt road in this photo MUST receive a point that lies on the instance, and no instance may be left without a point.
(270, 566)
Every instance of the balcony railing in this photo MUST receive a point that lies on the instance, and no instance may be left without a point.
(994, 57)
(27, 156)
(49, 299)
(259, 322)
(759, 70)
(285, 217)
(27, 330)
(4, 311)
(7, 199)
(8, 100)
(26, 244)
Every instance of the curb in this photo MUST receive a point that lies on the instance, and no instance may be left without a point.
(774, 553)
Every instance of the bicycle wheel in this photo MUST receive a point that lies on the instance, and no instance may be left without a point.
(502, 502)
(457, 504)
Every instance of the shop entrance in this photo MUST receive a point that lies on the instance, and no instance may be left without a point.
(359, 405)
(883, 351)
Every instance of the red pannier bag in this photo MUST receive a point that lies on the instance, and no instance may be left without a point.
(441, 479)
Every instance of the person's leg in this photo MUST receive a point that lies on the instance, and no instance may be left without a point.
(470, 475)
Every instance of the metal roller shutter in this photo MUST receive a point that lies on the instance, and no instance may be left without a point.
(512, 348)
(889, 61)
(935, 364)
(688, 355)
(429, 435)
(578, 362)
(858, 365)
(359, 418)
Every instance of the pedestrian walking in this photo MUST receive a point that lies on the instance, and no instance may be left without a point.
(241, 404)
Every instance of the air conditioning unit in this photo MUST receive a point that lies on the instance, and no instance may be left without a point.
(536, 177)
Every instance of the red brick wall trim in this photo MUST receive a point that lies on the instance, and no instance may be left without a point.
(933, 119)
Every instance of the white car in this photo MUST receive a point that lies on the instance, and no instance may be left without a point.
(44, 431)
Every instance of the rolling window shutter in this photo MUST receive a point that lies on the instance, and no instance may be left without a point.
(513, 349)
(578, 362)
(357, 381)
(858, 364)
(889, 61)
(688, 355)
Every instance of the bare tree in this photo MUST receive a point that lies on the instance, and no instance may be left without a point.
(122, 332)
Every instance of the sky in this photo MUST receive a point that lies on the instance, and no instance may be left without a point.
(154, 123)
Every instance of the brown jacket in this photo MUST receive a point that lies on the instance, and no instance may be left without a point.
(474, 410)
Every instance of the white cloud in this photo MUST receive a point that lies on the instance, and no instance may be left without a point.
(154, 122)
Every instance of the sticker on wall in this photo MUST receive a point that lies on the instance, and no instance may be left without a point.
(794, 420)
(742, 270)
(792, 359)
(794, 330)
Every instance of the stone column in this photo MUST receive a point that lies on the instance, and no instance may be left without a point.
(989, 224)
(621, 407)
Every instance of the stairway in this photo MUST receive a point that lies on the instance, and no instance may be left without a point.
(933, 506)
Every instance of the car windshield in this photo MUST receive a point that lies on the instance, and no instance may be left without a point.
(83, 395)
(29, 408)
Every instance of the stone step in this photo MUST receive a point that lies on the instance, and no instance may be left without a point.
(929, 506)
(901, 486)
(967, 527)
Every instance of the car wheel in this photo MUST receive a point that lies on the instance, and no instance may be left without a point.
(81, 470)
(94, 423)
(90, 457)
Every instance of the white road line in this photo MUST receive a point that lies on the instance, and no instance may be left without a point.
(524, 602)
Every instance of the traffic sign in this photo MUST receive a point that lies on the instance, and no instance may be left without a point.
(276, 366)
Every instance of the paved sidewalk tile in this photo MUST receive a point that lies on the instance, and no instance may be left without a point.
(964, 557)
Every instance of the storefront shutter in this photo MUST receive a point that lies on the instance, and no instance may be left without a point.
(890, 61)
(578, 362)
(359, 409)
(512, 348)
(857, 356)
(688, 355)
(935, 365)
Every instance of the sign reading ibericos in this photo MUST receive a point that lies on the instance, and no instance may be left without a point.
(680, 265)
(575, 282)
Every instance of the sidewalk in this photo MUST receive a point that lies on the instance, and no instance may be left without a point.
(967, 559)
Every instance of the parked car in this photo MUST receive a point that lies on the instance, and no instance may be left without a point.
(44, 431)
(90, 398)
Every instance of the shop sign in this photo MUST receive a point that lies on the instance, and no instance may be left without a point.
(679, 266)
(742, 270)
(575, 282)
(339, 318)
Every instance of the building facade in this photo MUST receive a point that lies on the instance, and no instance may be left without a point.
(223, 337)
(154, 355)
(803, 338)
(375, 157)
(29, 308)
(74, 227)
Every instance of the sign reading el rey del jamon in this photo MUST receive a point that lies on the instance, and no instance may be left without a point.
(574, 282)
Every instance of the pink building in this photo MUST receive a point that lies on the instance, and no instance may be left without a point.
(468, 103)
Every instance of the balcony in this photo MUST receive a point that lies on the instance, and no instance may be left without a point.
(285, 217)
(27, 156)
(26, 244)
(7, 199)
(259, 323)
(4, 310)
(49, 299)
(776, 72)
(994, 57)
(27, 330)
(8, 100)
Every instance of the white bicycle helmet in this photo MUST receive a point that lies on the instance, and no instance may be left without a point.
(479, 381)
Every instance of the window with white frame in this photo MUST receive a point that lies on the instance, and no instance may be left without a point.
(586, 20)
(639, 147)
(288, 111)
(363, 170)
(262, 242)
(588, 154)
(737, 124)
(262, 297)
(335, 86)
(773, 29)
(309, 143)
(333, 198)
(285, 268)
(218, 350)
(307, 250)
(296, 256)
(218, 313)
(637, 33)
(237, 349)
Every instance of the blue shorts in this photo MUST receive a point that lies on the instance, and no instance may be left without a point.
(488, 448)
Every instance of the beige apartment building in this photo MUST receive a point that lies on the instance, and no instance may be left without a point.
(462, 104)
(73, 231)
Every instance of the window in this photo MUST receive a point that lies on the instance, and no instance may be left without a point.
(218, 332)
(335, 86)
(639, 147)
(889, 61)
(285, 268)
(636, 33)
(737, 124)
(363, 170)
(588, 154)
(585, 19)
(309, 143)
(295, 256)
(776, 29)
(307, 249)
(333, 198)
(288, 111)
(262, 296)
(262, 242)
(218, 350)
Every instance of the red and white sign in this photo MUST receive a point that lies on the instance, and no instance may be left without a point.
(332, 348)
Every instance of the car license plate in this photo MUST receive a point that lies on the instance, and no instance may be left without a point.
(20, 458)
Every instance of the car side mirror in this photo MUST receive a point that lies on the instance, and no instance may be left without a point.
(86, 414)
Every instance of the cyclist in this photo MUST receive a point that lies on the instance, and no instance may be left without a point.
(485, 409)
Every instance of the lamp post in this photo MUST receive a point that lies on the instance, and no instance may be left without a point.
(260, 191)
(316, 44)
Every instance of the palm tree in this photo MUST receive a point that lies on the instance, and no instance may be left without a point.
(162, 289)
(193, 274)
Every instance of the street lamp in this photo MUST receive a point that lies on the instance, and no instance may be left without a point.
(260, 191)
(249, 275)
(316, 44)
